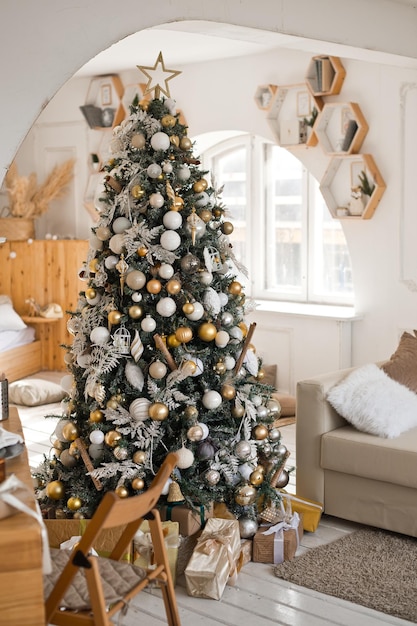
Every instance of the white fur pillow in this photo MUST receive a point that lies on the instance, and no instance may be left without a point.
(375, 403)
(34, 391)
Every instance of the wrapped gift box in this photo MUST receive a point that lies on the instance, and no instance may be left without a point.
(190, 520)
(278, 543)
(61, 530)
(143, 549)
(310, 510)
(245, 555)
(213, 562)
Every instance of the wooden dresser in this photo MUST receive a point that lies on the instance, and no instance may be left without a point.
(21, 584)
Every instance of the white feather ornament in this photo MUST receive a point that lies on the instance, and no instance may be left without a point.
(211, 301)
(136, 349)
(251, 363)
(134, 375)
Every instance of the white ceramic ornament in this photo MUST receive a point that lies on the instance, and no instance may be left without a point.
(148, 324)
(156, 200)
(197, 314)
(167, 168)
(157, 370)
(245, 470)
(99, 335)
(95, 242)
(154, 170)
(183, 172)
(111, 261)
(236, 333)
(96, 436)
(139, 409)
(83, 360)
(166, 271)
(172, 220)
(166, 307)
(185, 458)
(160, 141)
(211, 399)
(229, 362)
(136, 296)
(205, 277)
(116, 243)
(222, 339)
(205, 430)
(135, 279)
(96, 451)
(121, 224)
(170, 240)
(201, 199)
(134, 375)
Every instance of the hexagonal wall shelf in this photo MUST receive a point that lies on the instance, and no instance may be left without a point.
(103, 107)
(325, 75)
(341, 127)
(263, 96)
(344, 190)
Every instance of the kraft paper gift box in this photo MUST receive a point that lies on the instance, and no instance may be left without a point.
(62, 530)
(143, 549)
(278, 543)
(213, 562)
(189, 520)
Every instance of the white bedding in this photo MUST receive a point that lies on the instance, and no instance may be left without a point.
(14, 338)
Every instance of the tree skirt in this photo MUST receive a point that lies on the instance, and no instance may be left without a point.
(370, 567)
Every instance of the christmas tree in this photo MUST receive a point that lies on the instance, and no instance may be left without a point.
(162, 358)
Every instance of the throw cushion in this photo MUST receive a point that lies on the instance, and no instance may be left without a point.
(34, 391)
(375, 403)
(9, 319)
(287, 403)
(402, 365)
(270, 375)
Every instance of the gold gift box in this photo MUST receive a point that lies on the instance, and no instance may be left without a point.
(213, 562)
(143, 550)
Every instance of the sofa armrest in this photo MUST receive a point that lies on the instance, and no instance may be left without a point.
(314, 417)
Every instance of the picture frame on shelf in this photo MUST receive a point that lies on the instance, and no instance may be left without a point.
(106, 95)
(303, 104)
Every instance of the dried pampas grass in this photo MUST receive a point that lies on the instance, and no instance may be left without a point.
(27, 199)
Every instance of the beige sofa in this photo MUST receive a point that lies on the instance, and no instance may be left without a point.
(357, 476)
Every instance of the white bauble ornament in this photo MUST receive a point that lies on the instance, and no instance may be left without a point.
(148, 324)
(236, 333)
(183, 172)
(121, 224)
(95, 242)
(157, 370)
(134, 375)
(256, 400)
(96, 451)
(201, 199)
(170, 240)
(205, 277)
(198, 312)
(172, 220)
(224, 298)
(99, 335)
(154, 170)
(111, 261)
(211, 399)
(160, 141)
(136, 296)
(59, 428)
(95, 300)
(117, 243)
(156, 200)
(135, 279)
(166, 271)
(166, 307)
(205, 430)
(222, 339)
(245, 470)
(211, 301)
(229, 362)
(103, 233)
(138, 409)
(171, 104)
(165, 488)
(185, 458)
(167, 168)
(83, 360)
(96, 436)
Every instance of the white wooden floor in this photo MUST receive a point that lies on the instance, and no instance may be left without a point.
(259, 598)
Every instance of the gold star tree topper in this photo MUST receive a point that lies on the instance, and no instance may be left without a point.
(157, 77)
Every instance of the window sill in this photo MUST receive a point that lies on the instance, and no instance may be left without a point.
(308, 310)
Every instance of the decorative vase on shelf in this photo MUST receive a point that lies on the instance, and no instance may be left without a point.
(357, 202)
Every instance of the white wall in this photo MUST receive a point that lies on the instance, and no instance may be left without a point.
(217, 96)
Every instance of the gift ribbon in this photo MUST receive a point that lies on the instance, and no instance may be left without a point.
(143, 543)
(171, 505)
(278, 530)
(11, 484)
(207, 544)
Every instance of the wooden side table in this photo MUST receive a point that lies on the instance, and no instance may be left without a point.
(43, 327)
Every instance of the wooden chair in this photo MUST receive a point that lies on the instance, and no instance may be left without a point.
(86, 589)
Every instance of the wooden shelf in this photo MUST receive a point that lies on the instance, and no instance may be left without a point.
(103, 107)
(29, 319)
(264, 95)
(325, 75)
(339, 178)
(341, 128)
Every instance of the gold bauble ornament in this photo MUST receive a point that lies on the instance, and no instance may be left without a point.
(58, 445)
(122, 491)
(190, 367)
(245, 495)
(158, 411)
(172, 341)
(260, 375)
(200, 185)
(205, 214)
(112, 403)
(243, 327)
(185, 143)
(70, 431)
(220, 367)
(175, 140)
(73, 450)
(260, 432)
(177, 204)
(137, 192)
(138, 141)
(227, 228)
(168, 121)
(142, 251)
(112, 438)
(55, 490)
(74, 503)
(184, 334)
(78, 515)
(153, 286)
(207, 331)
(228, 392)
(238, 411)
(157, 369)
(188, 308)
(191, 412)
(135, 311)
(114, 317)
(93, 265)
(96, 416)
(173, 286)
(256, 478)
(235, 288)
(90, 293)
(138, 484)
(139, 457)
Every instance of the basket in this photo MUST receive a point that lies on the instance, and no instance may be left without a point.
(17, 228)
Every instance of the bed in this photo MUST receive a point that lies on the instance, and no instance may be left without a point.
(20, 352)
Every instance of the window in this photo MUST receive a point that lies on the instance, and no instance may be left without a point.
(284, 235)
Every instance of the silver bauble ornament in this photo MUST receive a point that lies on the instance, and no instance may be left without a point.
(243, 450)
(247, 527)
(212, 477)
